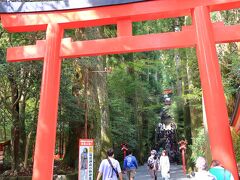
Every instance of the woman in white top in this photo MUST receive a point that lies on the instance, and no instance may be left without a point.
(164, 165)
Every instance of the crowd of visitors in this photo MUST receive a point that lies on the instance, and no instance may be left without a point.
(110, 168)
(166, 139)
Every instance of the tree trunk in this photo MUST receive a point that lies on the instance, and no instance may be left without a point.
(27, 150)
(187, 121)
(179, 92)
(76, 130)
(76, 126)
(4, 129)
(187, 112)
(101, 86)
(103, 139)
(207, 148)
(15, 131)
(22, 107)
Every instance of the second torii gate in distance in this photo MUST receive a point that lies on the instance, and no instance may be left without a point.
(202, 34)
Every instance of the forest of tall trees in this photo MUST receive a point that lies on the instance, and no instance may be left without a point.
(120, 96)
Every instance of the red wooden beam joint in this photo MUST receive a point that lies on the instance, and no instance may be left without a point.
(124, 28)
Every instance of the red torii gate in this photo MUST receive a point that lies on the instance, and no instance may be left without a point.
(202, 34)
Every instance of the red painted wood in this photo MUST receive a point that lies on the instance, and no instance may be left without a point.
(47, 118)
(110, 15)
(124, 28)
(183, 161)
(52, 50)
(222, 34)
(216, 111)
(25, 53)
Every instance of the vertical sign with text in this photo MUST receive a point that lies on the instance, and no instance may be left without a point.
(85, 159)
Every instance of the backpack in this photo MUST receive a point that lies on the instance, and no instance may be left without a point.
(129, 162)
(152, 162)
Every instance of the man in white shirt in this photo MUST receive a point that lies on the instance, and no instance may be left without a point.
(109, 168)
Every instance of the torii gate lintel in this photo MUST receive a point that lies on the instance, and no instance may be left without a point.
(124, 44)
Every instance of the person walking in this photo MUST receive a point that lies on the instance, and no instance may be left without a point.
(153, 164)
(130, 165)
(219, 171)
(202, 173)
(109, 168)
(164, 166)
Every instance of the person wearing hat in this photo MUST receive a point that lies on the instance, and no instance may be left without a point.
(153, 164)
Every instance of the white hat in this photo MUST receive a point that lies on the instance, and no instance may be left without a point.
(153, 152)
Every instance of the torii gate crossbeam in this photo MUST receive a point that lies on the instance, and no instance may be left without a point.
(69, 49)
(202, 34)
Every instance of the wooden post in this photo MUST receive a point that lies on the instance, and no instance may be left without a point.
(47, 118)
(213, 93)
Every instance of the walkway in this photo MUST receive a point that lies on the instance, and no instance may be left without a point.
(175, 170)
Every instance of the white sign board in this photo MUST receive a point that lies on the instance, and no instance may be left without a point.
(85, 171)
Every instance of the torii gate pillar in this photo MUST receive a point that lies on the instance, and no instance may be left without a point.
(213, 93)
(47, 118)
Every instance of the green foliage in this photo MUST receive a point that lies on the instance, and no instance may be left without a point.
(198, 146)
(236, 144)
(123, 88)
(70, 110)
(176, 112)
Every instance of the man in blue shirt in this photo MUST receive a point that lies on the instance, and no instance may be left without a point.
(130, 165)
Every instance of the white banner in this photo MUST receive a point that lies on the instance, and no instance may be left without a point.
(85, 159)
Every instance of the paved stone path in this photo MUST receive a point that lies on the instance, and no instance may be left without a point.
(175, 173)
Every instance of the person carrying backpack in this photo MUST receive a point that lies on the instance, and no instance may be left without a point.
(153, 164)
(109, 168)
(130, 165)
